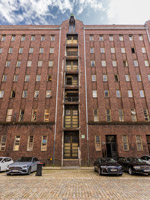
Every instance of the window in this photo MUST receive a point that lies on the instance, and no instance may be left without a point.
(103, 63)
(1, 50)
(135, 62)
(102, 50)
(44, 143)
(140, 37)
(123, 50)
(32, 37)
(3, 38)
(3, 143)
(143, 50)
(121, 115)
(30, 143)
(118, 93)
(4, 78)
(92, 63)
(38, 78)
(131, 37)
(50, 64)
(138, 77)
(52, 37)
(112, 50)
(121, 37)
(91, 38)
(34, 116)
(46, 115)
(30, 50)
(1, 94)
(142, 93)
(125, 63)
(51, 50)
(24, 94)
(13, 38)
(10, 50)
(148, 77)
(105, 78)
(49, 77)
(18, 64)
(42, 37)
(92, 50)
(108, 115)
(48, 94)
(15, 78)
(7, 63)
(9, 115)
(114, 63)
(40, 63)
(41, 50)
(127, 78)
(133, 50)
(21, 115)
(94, 93)
(97, 143)
(101, 38)
(139, 143)
(116, 77)
(96, 115)
(133, 115)
(146, 63)
(130, 94)
(106, 93)
(13, 94)
(29, 63)
(125, 143)
(16, 143)
(93, 77)
(146, 115)
(23, 38)
(111, 38)
(20, 50)
(27, 78)
(36, 94)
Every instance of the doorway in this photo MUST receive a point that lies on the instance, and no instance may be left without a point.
(71, 144)
(111, 146)
(148, 142)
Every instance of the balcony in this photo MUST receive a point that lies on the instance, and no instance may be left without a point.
(71, 42)
(72, 53)
(72, 68)
(71, 122)
(71, 99)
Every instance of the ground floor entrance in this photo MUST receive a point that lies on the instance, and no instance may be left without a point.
(111, 146)
(71, 144)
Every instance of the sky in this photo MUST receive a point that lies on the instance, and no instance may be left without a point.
(19, 12)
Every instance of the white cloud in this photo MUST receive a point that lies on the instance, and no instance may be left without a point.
(129, 11)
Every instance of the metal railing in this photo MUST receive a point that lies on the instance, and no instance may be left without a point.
(71, 99)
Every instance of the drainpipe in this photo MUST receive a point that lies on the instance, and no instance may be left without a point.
(56, 98)
(86, 101)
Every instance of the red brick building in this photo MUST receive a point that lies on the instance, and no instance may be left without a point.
(72, 92)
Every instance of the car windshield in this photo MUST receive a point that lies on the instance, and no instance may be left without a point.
(1, 159)
(108, 160)
(25, 159)
(134, 160)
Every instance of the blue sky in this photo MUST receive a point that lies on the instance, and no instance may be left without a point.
(45, 12)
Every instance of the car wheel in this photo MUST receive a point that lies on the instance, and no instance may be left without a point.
(29, 171)
(130, 171)
(94, 169)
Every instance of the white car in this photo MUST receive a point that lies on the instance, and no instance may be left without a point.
(4, 162)
(146, 159)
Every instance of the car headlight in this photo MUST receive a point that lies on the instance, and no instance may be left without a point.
(137, 167)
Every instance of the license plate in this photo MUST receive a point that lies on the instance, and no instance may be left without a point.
(146, 170)
(113, 170)
(14, 170)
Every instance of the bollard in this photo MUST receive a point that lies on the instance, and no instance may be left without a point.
(39, 169)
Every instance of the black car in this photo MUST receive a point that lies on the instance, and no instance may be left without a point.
(134, 165)
(107, 166)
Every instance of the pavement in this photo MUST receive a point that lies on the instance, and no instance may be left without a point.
(74, 184)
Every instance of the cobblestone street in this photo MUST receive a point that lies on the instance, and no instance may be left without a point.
(74, 184)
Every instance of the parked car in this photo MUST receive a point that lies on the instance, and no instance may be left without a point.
(4, 162)
(134, 165)
(25, 165)
(107, 166)
(146, 159)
